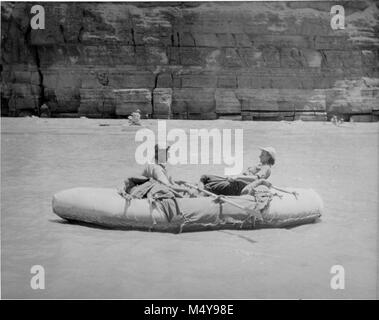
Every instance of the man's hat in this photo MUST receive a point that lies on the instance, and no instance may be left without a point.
(270, 150)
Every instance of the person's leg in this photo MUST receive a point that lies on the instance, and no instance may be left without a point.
(220, 185)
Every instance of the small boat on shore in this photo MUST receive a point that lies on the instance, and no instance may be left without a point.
(105, 207)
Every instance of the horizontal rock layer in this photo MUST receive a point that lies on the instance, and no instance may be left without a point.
(249, 60)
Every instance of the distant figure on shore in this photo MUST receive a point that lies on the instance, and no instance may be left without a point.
(135, 118)
(44, 111)
(336, 121)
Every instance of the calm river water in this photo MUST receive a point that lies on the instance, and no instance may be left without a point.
(40, 157)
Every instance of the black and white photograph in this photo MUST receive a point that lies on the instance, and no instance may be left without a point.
(222, 150)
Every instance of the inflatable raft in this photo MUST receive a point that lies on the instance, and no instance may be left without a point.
(106, 208)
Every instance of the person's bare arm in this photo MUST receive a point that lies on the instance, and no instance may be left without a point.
(263, 173)
(162, 178)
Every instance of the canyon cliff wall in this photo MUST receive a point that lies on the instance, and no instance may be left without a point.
(254, 60)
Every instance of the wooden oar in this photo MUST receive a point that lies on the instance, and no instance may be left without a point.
(227, 200)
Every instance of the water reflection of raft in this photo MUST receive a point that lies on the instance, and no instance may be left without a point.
(105, 207)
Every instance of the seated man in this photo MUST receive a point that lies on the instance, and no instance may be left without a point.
(155, 180)
(156, 184)
(234, 185)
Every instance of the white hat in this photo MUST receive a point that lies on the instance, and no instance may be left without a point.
(270, 150)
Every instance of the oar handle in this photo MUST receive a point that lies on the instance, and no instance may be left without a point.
(294, 193)
(200, 189)
(280, 189)
(177, 194)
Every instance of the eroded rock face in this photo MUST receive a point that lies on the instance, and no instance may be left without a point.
(162, 103)
(129, 100)
(260, 60)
